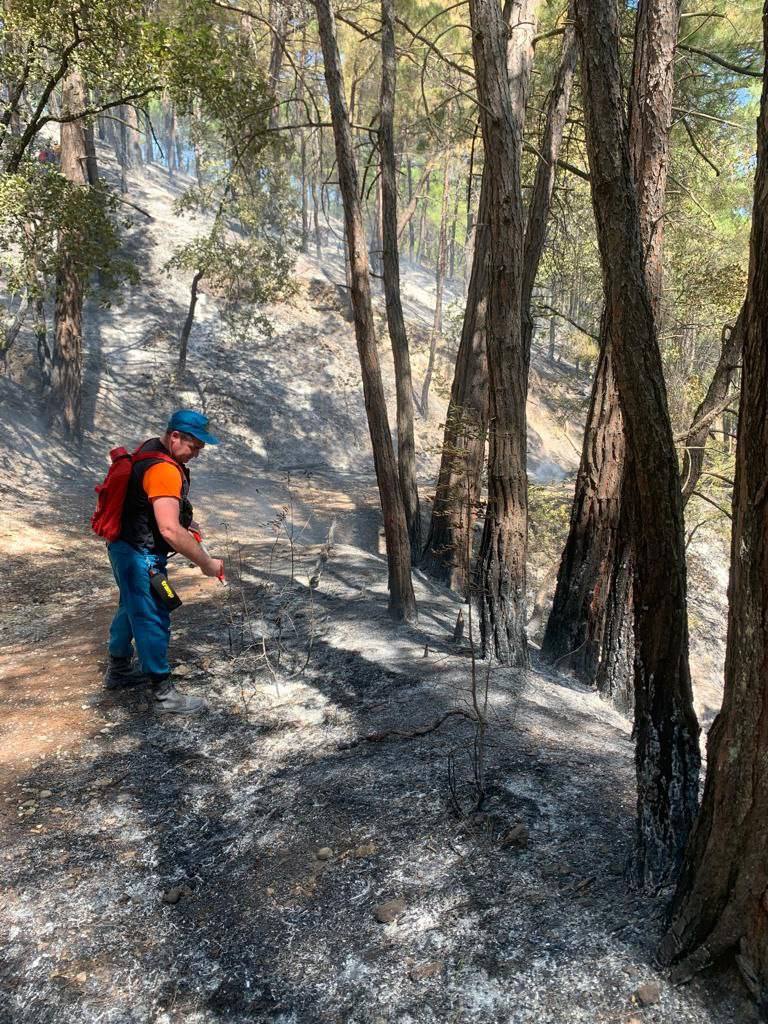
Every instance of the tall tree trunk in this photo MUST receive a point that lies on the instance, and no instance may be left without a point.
(448, 549)
(590, 624)
(91, 163)
(458, 485)
(44, 353)
(711, 405)
(278, 20)
(189, 321)
(65, 400)
(134, 136)
(406, 446)
(583, 583)
(437, 322)
(411, 238)
(558, 104)
(422, 229)
(721, 905)
(501, 79)
(402, 604)
(170, 137)
(123, 157)
(667, 753)
(149, 156)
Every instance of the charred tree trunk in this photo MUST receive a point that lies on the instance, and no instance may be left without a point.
(148, 141)
(44, 353)
(711, 406)
(437, 322)
(406, 446)
(590, 624)
(501, 566)
(720, 906)
(65, 400)
(448, 549)
(667, 753)
(449, 543)
(576, 623)
(187, 328)
(402, 604)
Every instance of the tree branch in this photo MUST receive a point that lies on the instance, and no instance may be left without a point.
(573, 323)
(736, 68)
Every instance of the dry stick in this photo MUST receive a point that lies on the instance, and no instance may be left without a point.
(424, 730)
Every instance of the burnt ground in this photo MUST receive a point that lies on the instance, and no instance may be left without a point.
(229, 867)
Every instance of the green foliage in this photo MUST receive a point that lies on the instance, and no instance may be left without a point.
(37, 208)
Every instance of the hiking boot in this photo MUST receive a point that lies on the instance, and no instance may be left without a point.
(122, 673)
(169, 701)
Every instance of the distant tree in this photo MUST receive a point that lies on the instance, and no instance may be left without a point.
(402, 604)
(406, 446)
(457, 492)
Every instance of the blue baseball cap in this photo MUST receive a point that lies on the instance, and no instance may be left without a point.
(187, 421)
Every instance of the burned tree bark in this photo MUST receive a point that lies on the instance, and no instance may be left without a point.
(437, 323)
(406, 447)
(667, 755)
(448, 548)
(721, 904)
(711, 405)
(458, 486)
(590, 624)
(501, 566)
(402, 604)
(186, 330)
(65, 399)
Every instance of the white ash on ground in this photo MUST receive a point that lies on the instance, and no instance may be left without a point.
(175, 873)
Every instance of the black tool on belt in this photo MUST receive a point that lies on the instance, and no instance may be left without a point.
(163, 590)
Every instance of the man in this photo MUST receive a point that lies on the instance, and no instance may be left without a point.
(156, 517)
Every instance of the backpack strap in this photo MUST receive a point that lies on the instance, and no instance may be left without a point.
(159, 456)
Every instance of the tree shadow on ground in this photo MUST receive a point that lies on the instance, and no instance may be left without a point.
(233, 810)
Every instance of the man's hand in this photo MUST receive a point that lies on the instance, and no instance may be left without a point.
(215, 568)
(167, 517)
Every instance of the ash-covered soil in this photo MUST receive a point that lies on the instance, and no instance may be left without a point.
(231, 867)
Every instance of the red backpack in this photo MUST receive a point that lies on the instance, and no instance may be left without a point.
(107, 519)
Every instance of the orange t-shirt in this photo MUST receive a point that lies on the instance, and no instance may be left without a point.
(162, 481)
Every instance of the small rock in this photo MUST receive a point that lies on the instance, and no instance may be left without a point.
(516, 837)
(174, 894)
(388, 912)
(430, 969)
(81, 978)
(648, 994)
(44, 794)
(124, 798)
(182, 670)
(365, 849)
(324, 853)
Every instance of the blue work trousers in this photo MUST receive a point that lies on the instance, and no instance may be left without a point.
(140, 617)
